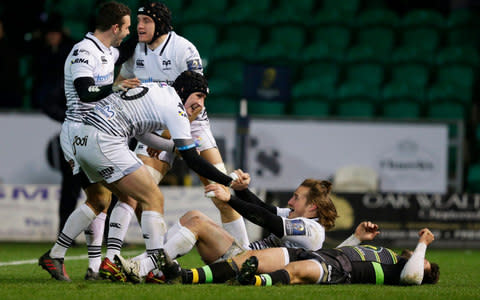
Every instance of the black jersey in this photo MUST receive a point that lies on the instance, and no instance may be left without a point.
(371, 264)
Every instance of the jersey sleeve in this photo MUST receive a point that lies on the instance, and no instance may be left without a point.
(190, 59)
(176, 119)
(412, 272)
(304, 233)
(82, 63)
(283, 212)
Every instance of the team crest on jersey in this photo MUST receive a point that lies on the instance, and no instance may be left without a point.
(295, 227)
(181, 110)
(139, 64)
(104, 60)
(194, 64)
(166, 64)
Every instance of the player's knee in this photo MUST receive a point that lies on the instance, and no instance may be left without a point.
(189, 215)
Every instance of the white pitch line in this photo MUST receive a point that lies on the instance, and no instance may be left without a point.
(35, 261)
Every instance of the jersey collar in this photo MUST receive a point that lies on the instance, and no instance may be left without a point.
(98, 43)
(161, 48)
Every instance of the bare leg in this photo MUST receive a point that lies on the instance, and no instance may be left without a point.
(303, 272)
(270, 259)
(212, 240)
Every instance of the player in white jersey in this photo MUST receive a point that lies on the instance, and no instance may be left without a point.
(302, 225)
(89, 77)
(160, 56)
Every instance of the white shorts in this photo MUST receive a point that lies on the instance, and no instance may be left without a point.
(201, 133)
(66, 139)
(102, 156)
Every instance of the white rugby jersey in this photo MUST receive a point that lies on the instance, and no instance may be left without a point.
(297, 233)
(88, 58)
(175, 55)
(144, 109)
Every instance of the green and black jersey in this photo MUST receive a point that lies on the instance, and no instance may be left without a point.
(371, 264)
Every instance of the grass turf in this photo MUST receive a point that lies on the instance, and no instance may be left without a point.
(459, 279)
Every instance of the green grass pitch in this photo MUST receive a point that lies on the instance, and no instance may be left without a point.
(459, 279)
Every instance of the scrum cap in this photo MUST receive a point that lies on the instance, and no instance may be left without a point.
(161, 15)
(190, 82)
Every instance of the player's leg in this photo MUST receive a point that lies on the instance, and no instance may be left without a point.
(219, 272)
(141, 186)
(298, 272)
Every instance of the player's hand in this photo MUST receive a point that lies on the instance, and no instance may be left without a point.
(366, 231)
(426, 236)
(126, 84)
(218, 191)
(193, 111)
(153, 152)
(242, 182)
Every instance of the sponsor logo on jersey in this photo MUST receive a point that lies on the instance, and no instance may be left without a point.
(106, 77)
(167, 64)
(79, 141)
(105, 111)
(115, 225)
(75, 52)
(139, 64)
(79, 61)
(194, 64)
(106, 173)
(295, 227)
(104, 60)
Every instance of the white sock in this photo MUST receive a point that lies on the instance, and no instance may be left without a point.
(94, 239)
(238, 230)
(173, 230)
(181, 243)
(76, 223)
(120, 219)
(153, 229)
(141, 256)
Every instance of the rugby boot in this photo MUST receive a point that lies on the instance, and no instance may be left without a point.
(54, 266)
(170, 268)
(92, 275)
(246, 276)
(158, 278)
(109, 270)
(130, 268)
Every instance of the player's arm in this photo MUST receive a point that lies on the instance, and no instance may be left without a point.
(412, 272)
(153, 140)
(365, 231)
(253, 210)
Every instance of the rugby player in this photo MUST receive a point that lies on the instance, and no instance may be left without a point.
(160, 56)
(89, 76)
(342, 265)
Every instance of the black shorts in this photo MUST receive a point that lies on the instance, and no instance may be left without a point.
(336, 266)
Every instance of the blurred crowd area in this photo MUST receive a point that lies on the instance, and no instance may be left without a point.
(362, 59)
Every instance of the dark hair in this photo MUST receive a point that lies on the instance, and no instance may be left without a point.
(319, 194)
(431, 276)
(109, 14)
(189, 82)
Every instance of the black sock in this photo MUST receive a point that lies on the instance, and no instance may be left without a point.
(215, 273)
(277, 277)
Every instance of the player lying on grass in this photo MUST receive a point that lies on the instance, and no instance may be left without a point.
(348, 264)
(301, 225)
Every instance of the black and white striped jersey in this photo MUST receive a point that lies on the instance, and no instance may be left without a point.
(141, 110)
(88, 58)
